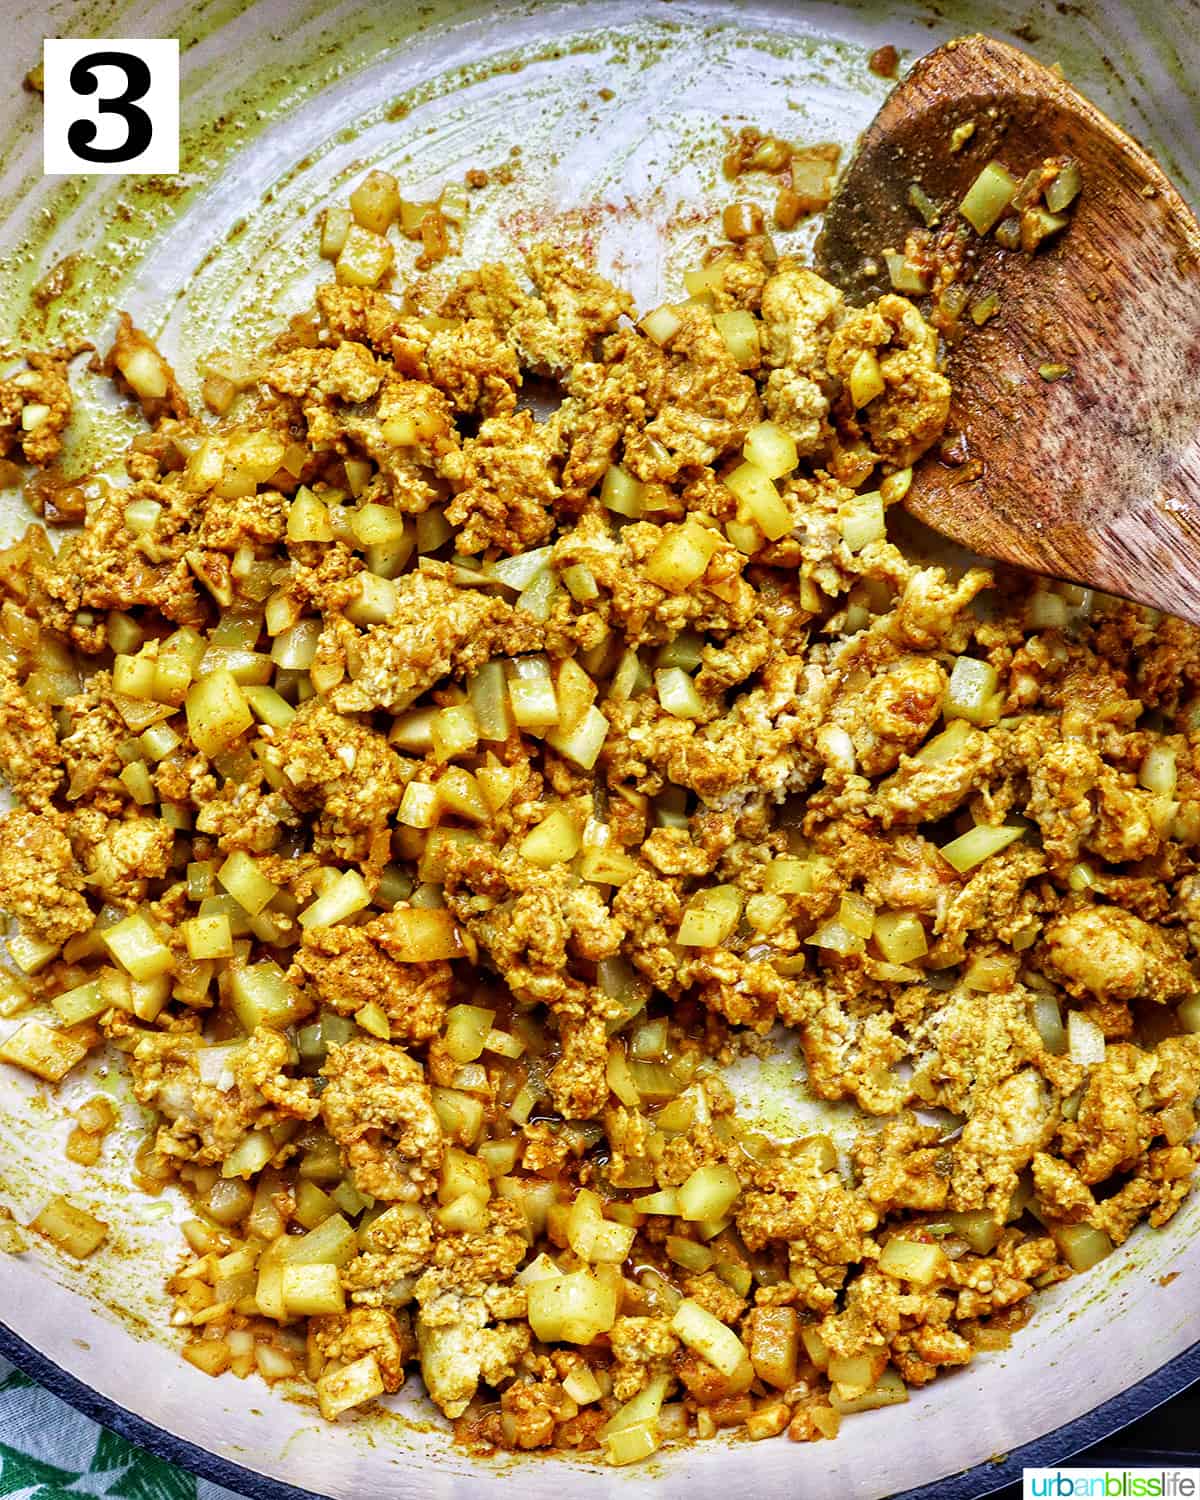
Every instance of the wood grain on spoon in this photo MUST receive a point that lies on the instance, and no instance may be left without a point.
(1094, 477)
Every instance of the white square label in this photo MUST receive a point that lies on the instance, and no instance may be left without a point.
(111, 105)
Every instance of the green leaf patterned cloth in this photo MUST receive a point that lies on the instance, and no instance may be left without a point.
(48, 1451)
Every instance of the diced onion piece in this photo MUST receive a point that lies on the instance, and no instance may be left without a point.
(1085, 1040)
(1048, 1019)
(677, 693)
(739, 331)
(900, 937)
(862, 520)
(696, 1327)
(914, 1260)
(770, 449)
(346, 895)
(988, 196)
(977, 844)
(571, 1309)
(836, 937)
(1158, 772)
(710, 917)
(642, 1408)
(664, 1202)
(866, 379)
(973, 692)
(554, 841)
(137, 947)
(709, 1193)
(1038, 225)
(1081, 1245)
(621, 492)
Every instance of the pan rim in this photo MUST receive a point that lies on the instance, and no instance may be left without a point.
(977, 1482)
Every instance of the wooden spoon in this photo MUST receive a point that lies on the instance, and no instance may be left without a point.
(1094, 476)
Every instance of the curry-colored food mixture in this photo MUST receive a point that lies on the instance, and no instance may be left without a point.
(429, 793)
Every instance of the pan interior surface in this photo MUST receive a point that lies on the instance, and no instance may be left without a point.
(609, 119)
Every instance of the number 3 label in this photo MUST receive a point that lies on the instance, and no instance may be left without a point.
(111, 105)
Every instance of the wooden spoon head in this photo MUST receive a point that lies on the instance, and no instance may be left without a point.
(1094, 477)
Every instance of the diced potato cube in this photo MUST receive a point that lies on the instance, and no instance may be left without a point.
(375, 202)
(914, 1260)
(333, 1242)
(419, 935)
(605, 865)
(677, 693)
(682, 556)
(454, 731)
(571, 1309)
(866, 379)
(335, 226)
(770, 449)
(70, 1227)
(375, 601)
(352, 1385)
(583, 743)
(900, 936)
(346, 895)
(973, 692)
(775, 1345)
(310, 1291)
(245, 882)
(217, 712)
(662, 324)
(365, 258)
(42, 1051)
(137, 947)
(988, 196)
(554, 841)
(467, 1028)
(261, 995)
(739, 332)
(759, 501)
(83, 1002)
(621, 492)
(888, 1390)
(710, 917)
(862, 520)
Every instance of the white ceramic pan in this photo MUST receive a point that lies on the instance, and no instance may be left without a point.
(284, 103)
